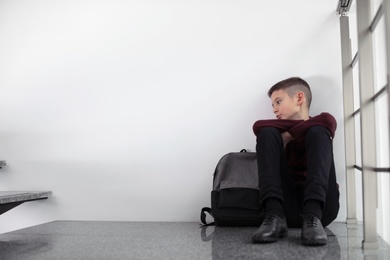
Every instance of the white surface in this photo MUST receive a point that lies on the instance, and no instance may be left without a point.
(123, 108)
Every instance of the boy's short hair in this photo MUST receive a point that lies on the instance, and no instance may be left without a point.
(292, 86)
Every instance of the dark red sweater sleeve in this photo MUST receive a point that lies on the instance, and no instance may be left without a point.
(282, 125)
(298, 128)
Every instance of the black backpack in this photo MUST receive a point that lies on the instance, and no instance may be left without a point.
(235, 194)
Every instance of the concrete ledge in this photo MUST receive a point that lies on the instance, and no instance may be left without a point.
(12, 199)
(21, 196)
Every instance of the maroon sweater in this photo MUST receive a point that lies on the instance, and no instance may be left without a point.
(295, 149)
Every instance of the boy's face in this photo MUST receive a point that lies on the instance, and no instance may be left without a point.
(284, 106)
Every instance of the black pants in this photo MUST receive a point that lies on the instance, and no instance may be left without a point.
(320, 184)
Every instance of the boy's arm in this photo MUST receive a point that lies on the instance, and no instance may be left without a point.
(299, 130)
(286, 138)
(282, 125)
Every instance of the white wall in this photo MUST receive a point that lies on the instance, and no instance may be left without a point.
(123, 108)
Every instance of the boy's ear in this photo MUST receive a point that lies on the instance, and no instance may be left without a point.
(301, 98)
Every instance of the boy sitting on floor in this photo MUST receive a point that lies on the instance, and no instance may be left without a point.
(297, 178)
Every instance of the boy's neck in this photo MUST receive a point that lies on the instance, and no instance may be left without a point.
(305, 115)
(302, 115)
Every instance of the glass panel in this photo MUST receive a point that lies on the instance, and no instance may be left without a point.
(356, 88)
(353, 28)
(358, 145)
(359, 195)
(382, 131)
(384, 205)
(375, 6)
(380, 64)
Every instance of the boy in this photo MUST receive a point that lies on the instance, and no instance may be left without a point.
(297, 178)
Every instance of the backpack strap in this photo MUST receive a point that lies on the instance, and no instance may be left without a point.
(204, 236)
(203, 216)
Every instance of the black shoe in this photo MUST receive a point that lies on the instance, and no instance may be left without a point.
(313, 233)
(272, 228)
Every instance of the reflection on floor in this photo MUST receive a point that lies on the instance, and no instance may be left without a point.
(155, 240)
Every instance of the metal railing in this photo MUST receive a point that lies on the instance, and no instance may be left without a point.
(365, 27)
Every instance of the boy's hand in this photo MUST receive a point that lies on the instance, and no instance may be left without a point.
(286, 138)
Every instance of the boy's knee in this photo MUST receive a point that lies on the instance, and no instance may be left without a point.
(268, 131)
(269, 135)
(317, 131)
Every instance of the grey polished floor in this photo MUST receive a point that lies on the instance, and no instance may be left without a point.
(151, 240)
